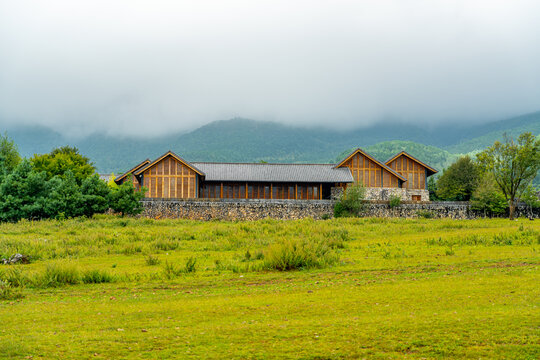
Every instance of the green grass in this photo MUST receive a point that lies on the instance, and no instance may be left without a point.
(343, 288)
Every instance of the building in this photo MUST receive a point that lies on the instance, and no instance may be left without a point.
(171, 177)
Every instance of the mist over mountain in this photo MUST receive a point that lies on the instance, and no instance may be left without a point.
(243, 140)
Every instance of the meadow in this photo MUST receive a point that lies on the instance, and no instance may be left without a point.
(125, 288)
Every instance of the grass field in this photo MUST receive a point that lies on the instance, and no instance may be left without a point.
(113, 288)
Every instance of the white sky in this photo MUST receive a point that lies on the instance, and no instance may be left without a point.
(151, 67)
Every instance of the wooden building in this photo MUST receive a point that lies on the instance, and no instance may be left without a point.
(412, 169)
(370, 172)
(171, 177)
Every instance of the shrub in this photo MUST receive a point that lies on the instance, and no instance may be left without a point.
(394, 201)
(152, 260)
(125, 200)
(426, 214)
(299, 254)
(170, 270)
(9, 292)
(15, 277)
(165, 245)
(59, 274)
(488, 198)
(190, 265)
(351, 202)
(96, 277)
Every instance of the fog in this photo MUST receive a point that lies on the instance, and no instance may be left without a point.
(151, 67)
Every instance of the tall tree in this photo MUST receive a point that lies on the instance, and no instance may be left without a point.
(95, 193)
(23, 194)
(514, 165)
(9, 155)
(64, 159)
(64, 198)
(459, 180)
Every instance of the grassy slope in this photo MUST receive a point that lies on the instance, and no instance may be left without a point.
(404, 288)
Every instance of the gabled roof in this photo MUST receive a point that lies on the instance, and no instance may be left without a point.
(358, 150)
(262, 172)
(432, 170)
(131, 171)
(168, 153)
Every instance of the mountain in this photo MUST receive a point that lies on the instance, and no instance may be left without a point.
(494, 131)
(242, 140)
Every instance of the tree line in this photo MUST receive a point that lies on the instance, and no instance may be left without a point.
(60, 184)
(496, 179)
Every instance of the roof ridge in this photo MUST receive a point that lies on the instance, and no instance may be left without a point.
(246, 163)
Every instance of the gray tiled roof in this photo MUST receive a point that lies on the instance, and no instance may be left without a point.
(318, 173)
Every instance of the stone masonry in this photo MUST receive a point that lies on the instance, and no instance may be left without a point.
(229, 209)
(384, 194)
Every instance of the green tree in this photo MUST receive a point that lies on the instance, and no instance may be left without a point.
(23, 194)
(351, 201)
(95, 193)
(432, 188)
(459, 180)
(125, 200)
(111, 182)
(530, 198)
(64, 159)
(65, 197)
(488, 198)
(513, 165)
(9, 155)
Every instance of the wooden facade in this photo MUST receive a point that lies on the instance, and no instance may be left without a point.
(262, 190)
(171, 177)
(412, 169)
(370, 172)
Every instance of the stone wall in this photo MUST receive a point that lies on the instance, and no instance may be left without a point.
(229, 209)
(384, 194)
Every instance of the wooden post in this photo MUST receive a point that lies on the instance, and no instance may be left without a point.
(221, 192)
(246, 190)
(320, 191)
(296, 191)
(271, 193)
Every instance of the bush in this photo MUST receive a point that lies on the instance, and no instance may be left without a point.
(165, 245)
(299, 254)
(426, 214)
(171, 271)
(488, 198)
(190, 265)
(152, 260)
(125, 200)
(60, 274)
(96, 277)
(394, 201)
(9, 292)
(351, 202)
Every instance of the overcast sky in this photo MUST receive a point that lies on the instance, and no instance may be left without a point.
(151, 67)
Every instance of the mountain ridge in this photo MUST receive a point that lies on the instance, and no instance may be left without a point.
(244, 140)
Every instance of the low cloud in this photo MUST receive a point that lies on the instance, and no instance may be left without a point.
(151, 67)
